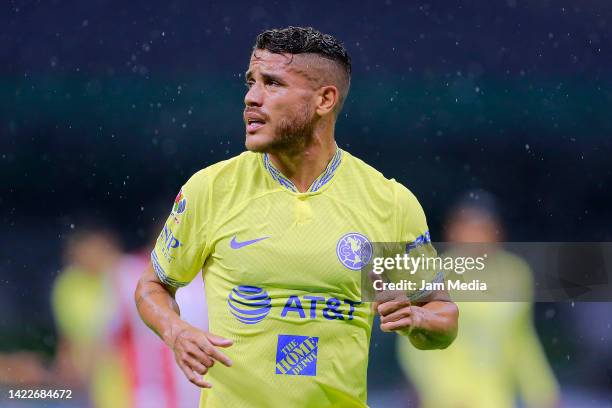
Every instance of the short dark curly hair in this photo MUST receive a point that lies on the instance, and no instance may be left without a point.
(301, 40)
(307, 40)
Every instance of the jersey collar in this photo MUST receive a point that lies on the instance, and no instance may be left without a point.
(323, 179)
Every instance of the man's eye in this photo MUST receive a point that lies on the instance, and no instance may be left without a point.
(248, 84)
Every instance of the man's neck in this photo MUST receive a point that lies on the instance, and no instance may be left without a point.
(303, 167)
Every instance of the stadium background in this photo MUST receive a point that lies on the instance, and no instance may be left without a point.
(107, 107)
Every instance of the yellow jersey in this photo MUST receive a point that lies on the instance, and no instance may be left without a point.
(282, 273)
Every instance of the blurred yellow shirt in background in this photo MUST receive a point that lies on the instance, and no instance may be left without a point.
(83, 308)
(496, 357)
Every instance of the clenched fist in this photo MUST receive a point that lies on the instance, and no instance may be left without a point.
(400, 316)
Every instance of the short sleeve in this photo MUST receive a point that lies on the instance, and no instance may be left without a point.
(414, 234)
(180, 250)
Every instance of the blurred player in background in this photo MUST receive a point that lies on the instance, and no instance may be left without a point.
(105, 348)
(84, 306)
(155, 381)
(497, 355)
(281, 233)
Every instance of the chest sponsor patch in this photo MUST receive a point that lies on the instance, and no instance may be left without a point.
(296, 355)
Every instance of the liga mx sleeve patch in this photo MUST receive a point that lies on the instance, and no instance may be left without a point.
(296, 355)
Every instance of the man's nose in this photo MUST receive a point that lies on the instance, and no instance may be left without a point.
(254, 96)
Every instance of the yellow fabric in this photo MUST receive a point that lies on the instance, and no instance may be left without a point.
(496, 353)
(82, 308)
(292, 308)
(79, 304)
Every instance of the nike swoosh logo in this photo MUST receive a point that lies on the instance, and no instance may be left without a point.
(237, 245)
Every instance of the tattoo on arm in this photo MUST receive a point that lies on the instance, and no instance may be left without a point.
(142, 297)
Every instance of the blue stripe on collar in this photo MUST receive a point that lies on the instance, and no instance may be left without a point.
(329, 172)
(323, 179)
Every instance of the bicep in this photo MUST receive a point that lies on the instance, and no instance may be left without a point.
(150, 281)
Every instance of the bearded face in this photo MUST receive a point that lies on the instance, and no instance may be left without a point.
(279, 113)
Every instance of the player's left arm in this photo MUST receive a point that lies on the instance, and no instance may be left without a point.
(430, 324)
(429, 320)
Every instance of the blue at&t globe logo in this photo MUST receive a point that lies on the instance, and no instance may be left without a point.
(249, 304)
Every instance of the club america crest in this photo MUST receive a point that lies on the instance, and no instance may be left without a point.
(354, 250)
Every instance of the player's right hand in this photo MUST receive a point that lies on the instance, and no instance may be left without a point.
(195, 351)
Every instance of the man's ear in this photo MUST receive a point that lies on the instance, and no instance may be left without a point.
(327, 99)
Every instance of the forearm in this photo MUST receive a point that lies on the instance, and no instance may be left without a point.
(437, 325)
(157, 307)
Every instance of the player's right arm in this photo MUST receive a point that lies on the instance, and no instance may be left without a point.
(195, 350)
(176, 259)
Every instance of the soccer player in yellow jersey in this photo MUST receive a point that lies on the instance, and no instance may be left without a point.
(280, 234)
(497, 357)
